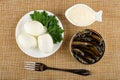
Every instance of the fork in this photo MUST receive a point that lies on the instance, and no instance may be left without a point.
(42, 67)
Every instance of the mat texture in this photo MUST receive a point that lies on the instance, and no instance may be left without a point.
(12, 58)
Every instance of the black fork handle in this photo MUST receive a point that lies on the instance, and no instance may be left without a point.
(82, 72)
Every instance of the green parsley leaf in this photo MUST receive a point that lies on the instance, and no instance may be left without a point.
(51, 23)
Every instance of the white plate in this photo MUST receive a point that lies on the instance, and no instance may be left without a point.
(36, 53)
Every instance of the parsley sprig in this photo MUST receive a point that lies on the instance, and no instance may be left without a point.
(51, 23)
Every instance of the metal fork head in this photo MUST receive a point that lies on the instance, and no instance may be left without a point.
(29, 65)
(35, 66)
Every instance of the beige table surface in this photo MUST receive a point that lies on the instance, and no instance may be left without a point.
(12, 58)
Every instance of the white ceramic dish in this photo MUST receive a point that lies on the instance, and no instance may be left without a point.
(36, 53)
(97, 15)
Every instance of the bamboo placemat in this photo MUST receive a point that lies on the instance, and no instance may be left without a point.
(12, 58)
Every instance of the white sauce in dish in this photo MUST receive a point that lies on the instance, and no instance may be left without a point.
(45, 43)
(82, 15)
(34, 28)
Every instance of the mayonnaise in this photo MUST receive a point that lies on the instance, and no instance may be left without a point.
(82, 15)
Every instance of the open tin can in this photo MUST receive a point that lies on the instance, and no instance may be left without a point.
(87, 46)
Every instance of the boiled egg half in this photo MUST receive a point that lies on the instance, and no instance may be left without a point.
(34, 28)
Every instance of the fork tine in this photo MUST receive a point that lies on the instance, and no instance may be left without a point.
(29, 65)
(29, 62)
(29, 68)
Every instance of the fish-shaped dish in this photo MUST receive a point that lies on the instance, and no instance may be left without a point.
(82, 15)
